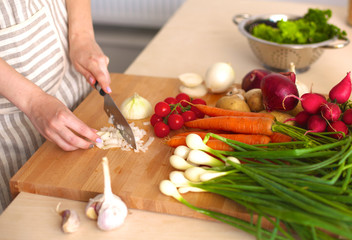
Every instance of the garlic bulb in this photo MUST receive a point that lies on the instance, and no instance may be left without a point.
(109, 210)
(219, 77)
(136, 107)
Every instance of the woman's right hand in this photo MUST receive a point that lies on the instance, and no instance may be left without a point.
(59, 125)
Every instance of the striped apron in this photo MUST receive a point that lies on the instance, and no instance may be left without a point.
(33, 40)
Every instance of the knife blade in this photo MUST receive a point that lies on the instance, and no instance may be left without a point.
(117, 117)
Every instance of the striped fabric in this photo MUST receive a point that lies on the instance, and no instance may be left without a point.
(33, 40)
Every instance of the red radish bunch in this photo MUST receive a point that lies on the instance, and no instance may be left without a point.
(173, 112)
(320, 114)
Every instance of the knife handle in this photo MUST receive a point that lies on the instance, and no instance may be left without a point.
(98, 87)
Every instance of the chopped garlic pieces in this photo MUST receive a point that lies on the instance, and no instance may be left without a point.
(111, 138)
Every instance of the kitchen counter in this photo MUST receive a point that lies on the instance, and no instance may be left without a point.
(202, 33)
(199, 34)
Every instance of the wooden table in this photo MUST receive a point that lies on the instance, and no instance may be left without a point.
(199, 34)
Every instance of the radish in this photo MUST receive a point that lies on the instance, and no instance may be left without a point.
(347, 116)
(337, 126)
(331, 111)
(311, 102)
(342, 91)
(316, 123)
(275, 88)
(301, 118)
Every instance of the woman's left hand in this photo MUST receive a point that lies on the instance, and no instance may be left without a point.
(88, 59)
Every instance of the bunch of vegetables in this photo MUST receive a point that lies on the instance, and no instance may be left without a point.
(312, 28)
(302, 187)
(246, 127)
(282, 92)
(327, 115)
(173, 112)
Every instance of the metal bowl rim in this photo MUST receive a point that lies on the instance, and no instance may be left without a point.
(247, 21)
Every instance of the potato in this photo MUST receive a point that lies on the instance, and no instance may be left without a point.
(233, 102)
(281, 116)
(254, 99)
(296, 110)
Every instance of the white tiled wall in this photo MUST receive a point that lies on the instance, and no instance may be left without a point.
(134, 13)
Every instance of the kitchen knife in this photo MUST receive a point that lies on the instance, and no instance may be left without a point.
(116, 116)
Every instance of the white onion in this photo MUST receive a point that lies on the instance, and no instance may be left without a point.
(190, 79)
(136, 107)
(219, 77)
(195, 92)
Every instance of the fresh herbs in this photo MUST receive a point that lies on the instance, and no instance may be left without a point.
(312, 28)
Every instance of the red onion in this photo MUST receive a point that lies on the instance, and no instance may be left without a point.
(275, 88)
(253, 78)
(290, 75)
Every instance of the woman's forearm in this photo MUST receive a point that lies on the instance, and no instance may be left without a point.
(79, 18)
(16, 88)
(86, 55)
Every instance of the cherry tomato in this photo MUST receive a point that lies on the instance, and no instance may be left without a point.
(198, 113)
(155, 119)
(175, 121)
(188, 116)
(178, 110)
(161, 129)
(199, 101)
(171, 100)
(181, 97)
(162, 109)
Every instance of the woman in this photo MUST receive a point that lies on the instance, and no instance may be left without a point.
(47, 54)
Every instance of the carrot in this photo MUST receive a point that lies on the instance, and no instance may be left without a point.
(215, 112)
(176, 141)
(244, 138)
(218, 145)
(246, 125)
(280, 137)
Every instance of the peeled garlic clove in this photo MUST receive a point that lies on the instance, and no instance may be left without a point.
(195, 92)
(190, 79)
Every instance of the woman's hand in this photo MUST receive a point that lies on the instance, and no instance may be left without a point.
(59, 125)
(88, 59)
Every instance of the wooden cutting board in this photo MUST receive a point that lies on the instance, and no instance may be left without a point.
(135, 176)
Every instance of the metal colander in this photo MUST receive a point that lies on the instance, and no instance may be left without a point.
(279, 57)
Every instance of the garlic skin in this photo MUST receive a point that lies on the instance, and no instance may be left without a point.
(136, 107)
(70, 220)
(112, 215)
(219, 77)
(302, 88)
